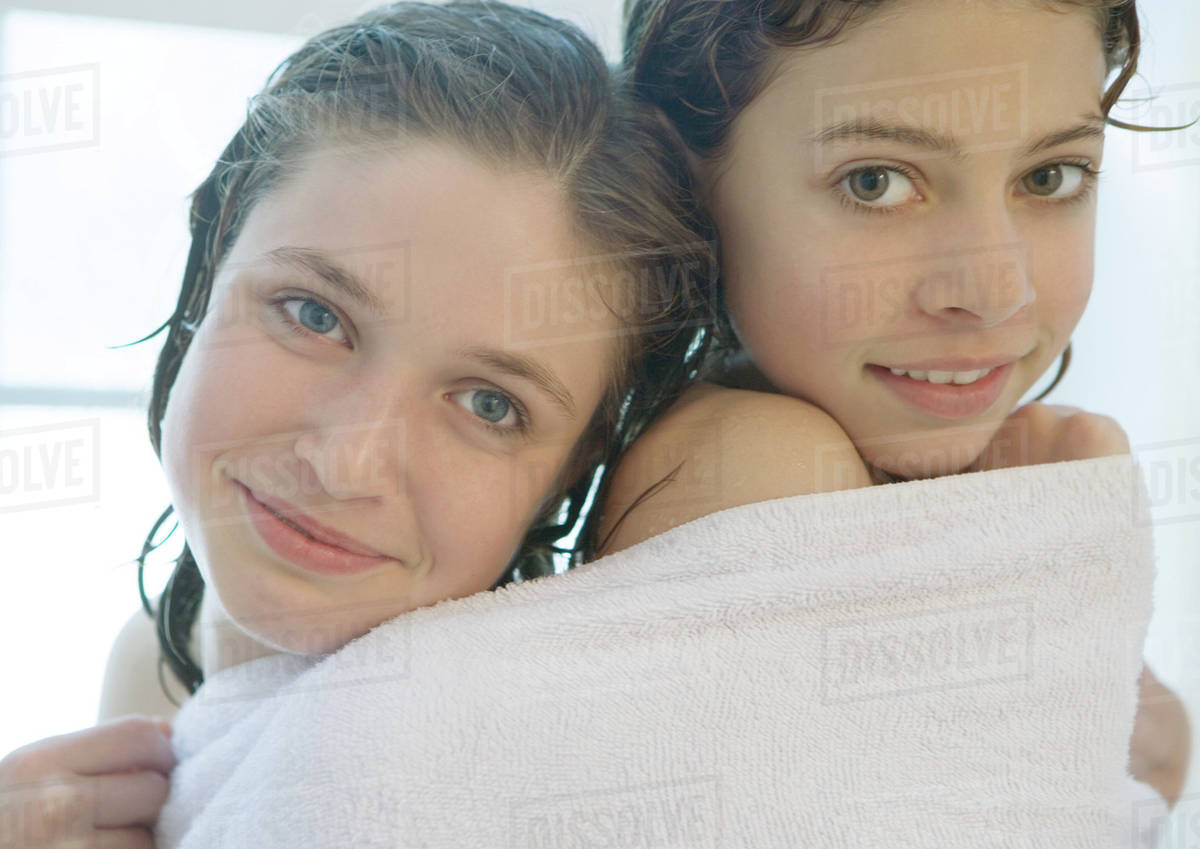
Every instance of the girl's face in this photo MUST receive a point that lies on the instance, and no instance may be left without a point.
(369, 368)
(916, 196)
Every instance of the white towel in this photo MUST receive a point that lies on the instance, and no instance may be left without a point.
(945, 663)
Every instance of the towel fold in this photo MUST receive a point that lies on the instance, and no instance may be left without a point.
(943, 663)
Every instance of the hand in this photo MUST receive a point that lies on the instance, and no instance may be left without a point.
(101, 787)
(1051, 433)
(1160, 747)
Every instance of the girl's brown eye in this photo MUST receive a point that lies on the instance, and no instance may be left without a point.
(1043, 181)
(877, 186)
(869, 183)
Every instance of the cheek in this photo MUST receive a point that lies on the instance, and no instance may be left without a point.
(794, 314)
(185, 427)
(474, 504)
(215, 407)
(792, 274)
(769, 286)
(1064, 279)
(472, 510)
(181, 428)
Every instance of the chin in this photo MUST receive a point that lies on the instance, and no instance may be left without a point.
(306, 633)
(930, 457)
(284, 614)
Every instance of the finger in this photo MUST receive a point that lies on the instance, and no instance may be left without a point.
(128, 743)
(1063, 410)
(129, 798)
(131, 837)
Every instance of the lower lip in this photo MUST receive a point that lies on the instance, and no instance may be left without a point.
(947, 400)
(302, 550)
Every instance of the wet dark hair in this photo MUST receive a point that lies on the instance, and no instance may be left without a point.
(516, 88)
(701, 62)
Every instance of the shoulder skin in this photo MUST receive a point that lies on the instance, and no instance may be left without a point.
(718, 448)
(131, 683)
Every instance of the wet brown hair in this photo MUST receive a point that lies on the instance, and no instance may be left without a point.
(701, 62)
(517, 89)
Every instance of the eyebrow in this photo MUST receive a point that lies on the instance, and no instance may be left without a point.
(1092, 127)
(321, 265)
(527, 369)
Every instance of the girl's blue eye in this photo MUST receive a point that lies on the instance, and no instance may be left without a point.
(311, 315)
(498, 411)
(490, 406)
(314, 316)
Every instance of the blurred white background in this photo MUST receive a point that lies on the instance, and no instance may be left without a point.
(93, 240)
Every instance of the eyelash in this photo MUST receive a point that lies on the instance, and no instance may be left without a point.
(1090, 179)
(295, 328)
(291, 324)
(859, 206)
(1081, 196)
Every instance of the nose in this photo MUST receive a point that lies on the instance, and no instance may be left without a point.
(981, 276)
(356, 451)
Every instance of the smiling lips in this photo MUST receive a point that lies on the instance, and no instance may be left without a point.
(947, 389)
(306, 543)
(313, 528)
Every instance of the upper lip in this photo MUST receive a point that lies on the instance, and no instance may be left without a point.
(313, 528)
(956, 364)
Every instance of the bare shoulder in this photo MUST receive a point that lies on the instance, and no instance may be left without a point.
(718, 448)
(131, 683)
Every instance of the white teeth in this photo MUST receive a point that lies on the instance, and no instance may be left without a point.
(959, 378)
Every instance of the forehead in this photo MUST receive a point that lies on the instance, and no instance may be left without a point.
(1045, 63)
(436, 233)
